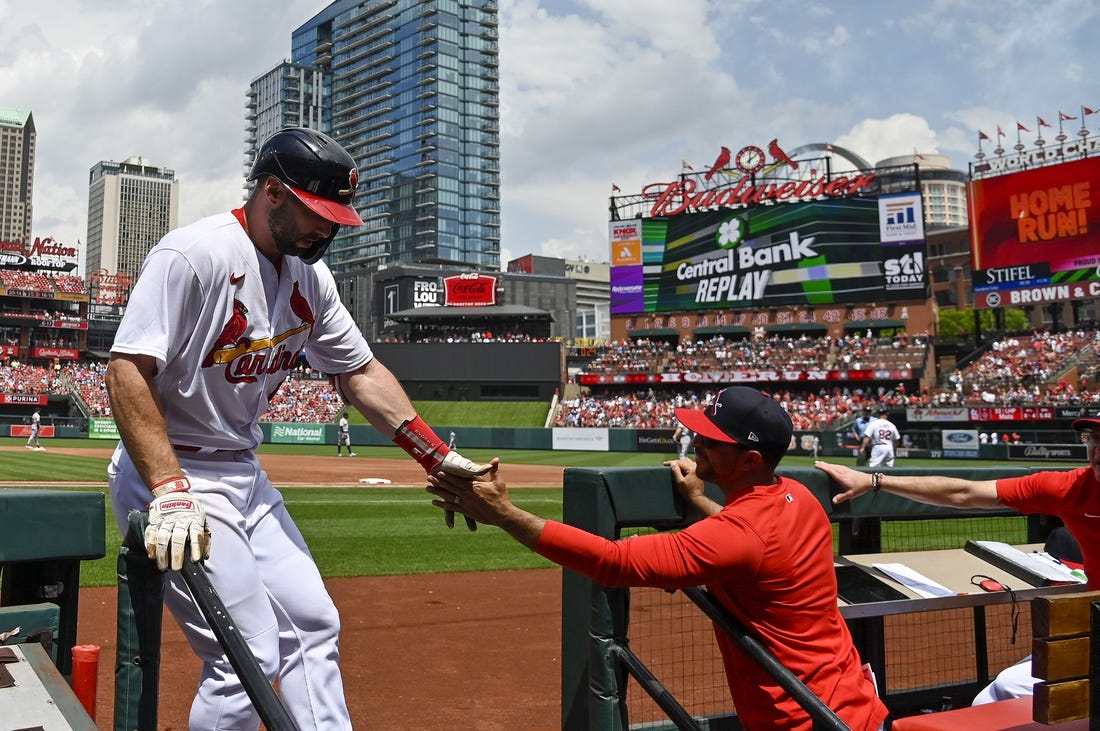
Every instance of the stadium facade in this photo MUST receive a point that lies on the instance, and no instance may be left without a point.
(411, 89)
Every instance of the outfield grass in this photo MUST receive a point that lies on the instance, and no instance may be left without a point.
(363, 531)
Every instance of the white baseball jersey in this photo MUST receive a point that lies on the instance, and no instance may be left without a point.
(883, 434)
(226, 328)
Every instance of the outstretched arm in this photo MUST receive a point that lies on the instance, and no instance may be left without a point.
(485, 499)
(950, 492)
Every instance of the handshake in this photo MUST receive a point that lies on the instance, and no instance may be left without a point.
(457, 465)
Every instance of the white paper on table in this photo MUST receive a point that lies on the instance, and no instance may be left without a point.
(914, 580)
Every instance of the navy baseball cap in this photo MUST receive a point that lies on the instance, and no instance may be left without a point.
(1086, 423)
(743, 416)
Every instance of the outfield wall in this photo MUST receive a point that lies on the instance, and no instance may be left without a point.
(1060, 446)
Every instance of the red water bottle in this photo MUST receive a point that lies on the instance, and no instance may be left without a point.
(86, 676)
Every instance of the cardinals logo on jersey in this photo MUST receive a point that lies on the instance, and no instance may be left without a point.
(244, 357)
(232, 334)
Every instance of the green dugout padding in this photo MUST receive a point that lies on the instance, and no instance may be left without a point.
(604, 501)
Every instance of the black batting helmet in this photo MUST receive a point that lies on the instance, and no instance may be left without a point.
(319, 172)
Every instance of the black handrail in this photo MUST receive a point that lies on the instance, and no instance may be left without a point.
(825, 719)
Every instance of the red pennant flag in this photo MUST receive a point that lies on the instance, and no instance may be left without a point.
(615, 188)
(982, 135)
(1088, 111)
(1042, 122)
(685, 166)
(1000, 132)
(1021, 128)
(1063, 117)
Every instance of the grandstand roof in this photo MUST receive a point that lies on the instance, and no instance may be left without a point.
(797, 327)
(489, 312)
(873, 324)
(721, 330)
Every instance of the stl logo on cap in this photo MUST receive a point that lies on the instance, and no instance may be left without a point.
(353, 182)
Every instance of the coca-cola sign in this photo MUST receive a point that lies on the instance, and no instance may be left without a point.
(470, 290)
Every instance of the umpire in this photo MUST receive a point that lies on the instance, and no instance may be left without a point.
(859, 426)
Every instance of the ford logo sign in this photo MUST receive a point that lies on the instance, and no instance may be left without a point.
(959, 437)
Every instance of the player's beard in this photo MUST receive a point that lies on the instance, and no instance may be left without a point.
(281, 222)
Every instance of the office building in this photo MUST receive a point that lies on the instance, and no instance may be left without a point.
(131, 205)
(592, 322)
(17, 137)
(411, 89)
(289, 95)
(943, 188)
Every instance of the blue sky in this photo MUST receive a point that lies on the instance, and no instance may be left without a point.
(593, 92)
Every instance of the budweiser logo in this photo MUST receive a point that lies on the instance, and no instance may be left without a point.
(684, 196)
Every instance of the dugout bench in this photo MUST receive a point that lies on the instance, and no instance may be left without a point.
(44, 535)
(596, 620)
(1066, 659)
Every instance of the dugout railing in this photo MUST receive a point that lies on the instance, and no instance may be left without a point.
(597, 693)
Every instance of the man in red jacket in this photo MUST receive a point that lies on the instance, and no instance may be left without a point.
(766, 556)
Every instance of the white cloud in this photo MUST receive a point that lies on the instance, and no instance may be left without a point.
(899, 134)
(593, 92)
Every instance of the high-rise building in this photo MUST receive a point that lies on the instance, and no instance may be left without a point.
(411, 89)
(942, 187)
(131, 206)
(289, 95)
(17, 136)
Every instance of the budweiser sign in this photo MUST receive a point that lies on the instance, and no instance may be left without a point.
(685, 196)
(470, 290)
(731, 182)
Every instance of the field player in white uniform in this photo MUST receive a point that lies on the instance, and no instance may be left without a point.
(215, 322)
(881, 436)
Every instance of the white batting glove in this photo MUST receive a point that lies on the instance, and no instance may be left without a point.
(457, 465)
(176, 518)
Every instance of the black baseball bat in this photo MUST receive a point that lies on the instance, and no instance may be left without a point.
(260, 691)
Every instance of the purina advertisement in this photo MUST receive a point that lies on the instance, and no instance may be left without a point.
(843, 250)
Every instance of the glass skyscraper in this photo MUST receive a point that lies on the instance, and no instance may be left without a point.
(411, 89)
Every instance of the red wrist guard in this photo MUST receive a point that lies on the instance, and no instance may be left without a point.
(422, 444)
(172, 484)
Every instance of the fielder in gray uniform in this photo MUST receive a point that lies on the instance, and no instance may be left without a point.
(216, 320)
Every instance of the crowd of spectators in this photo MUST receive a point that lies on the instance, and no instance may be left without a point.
(24, 378)
(774, 353)
(655, 408)
(1014, 371)
(304, 397)
(28, 281)
(1020, 369)
(87, 380)
(70, 284)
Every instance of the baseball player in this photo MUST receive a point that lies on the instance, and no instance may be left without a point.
(682, 436)
(218, 316)
(343, 436)
(36, 425)
(859, 426)
(881, 438)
